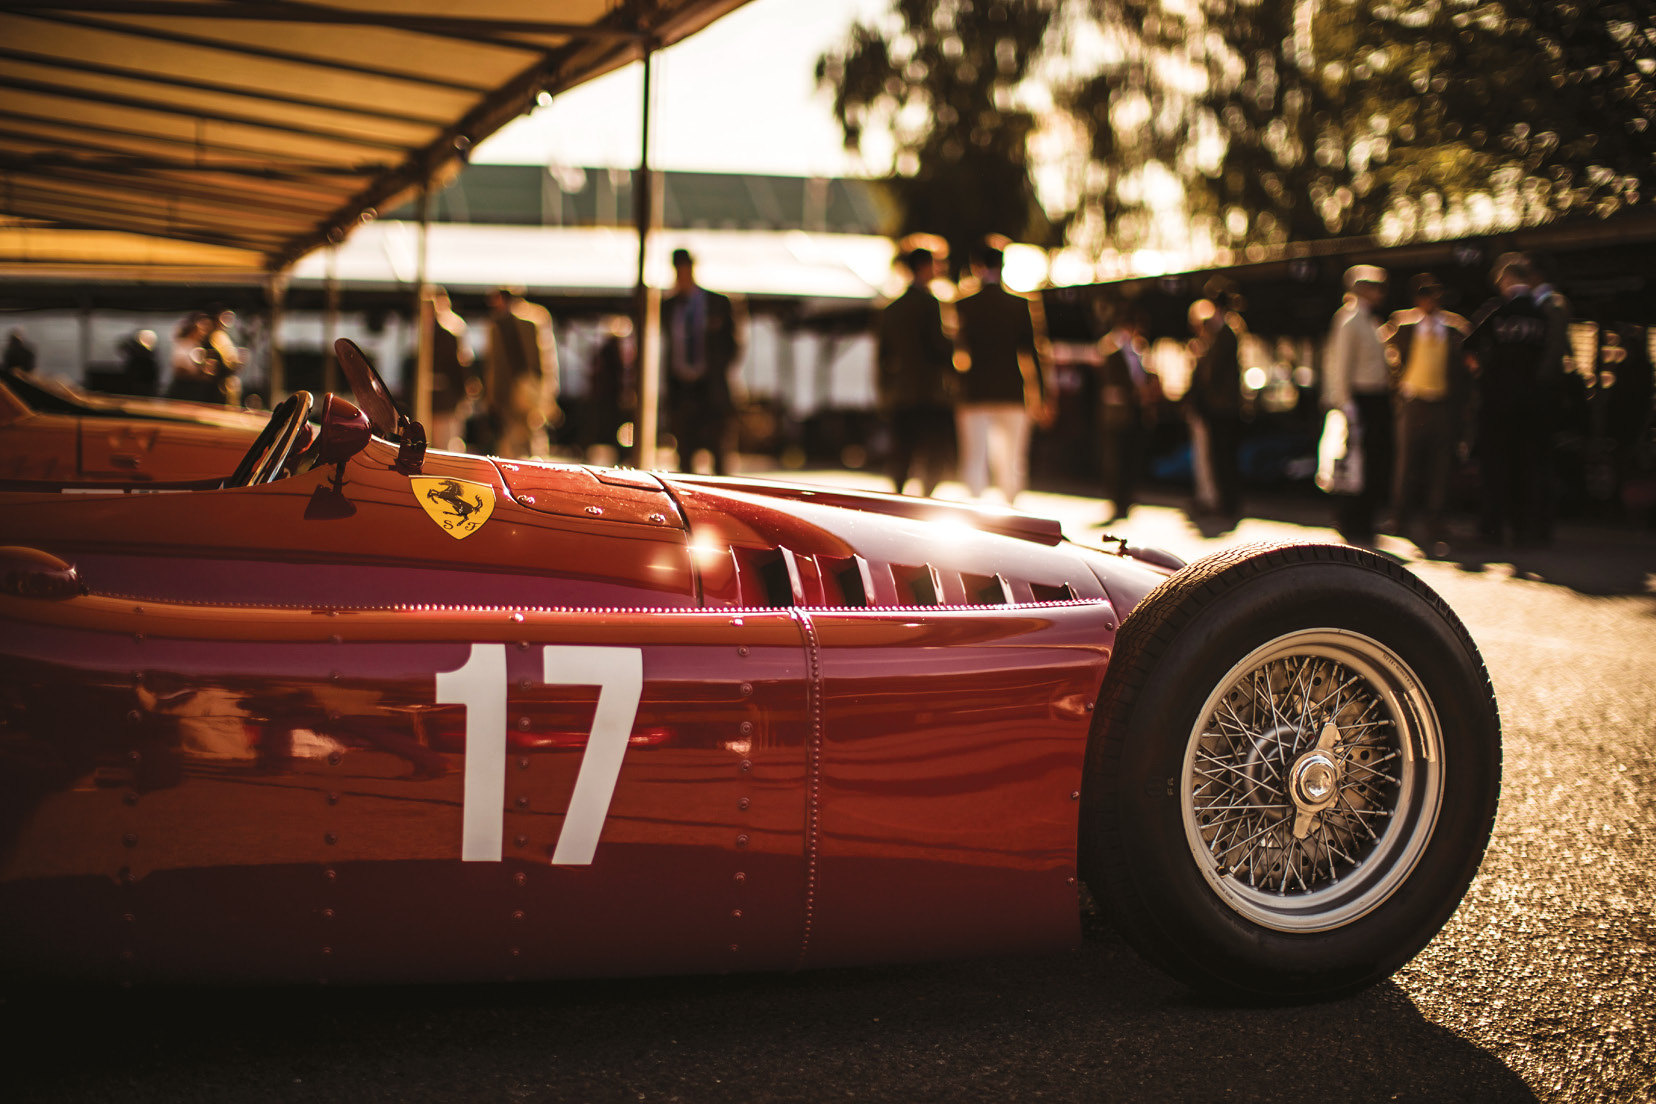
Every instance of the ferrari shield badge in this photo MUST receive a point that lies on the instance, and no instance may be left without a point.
(458, 505)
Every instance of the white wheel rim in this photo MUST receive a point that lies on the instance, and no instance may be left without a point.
(1312, 780)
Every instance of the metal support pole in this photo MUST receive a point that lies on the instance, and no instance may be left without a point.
(647, 300)
(275, 374)
(424, 318)
(330, 322)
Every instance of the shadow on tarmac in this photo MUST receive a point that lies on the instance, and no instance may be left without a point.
(1094, 1024)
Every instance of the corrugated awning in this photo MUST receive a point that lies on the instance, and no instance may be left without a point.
(205, 137)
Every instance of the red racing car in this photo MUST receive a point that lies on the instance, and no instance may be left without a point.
(53, 432)
(366, 712)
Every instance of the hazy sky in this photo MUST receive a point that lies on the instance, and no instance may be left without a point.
(739, 96)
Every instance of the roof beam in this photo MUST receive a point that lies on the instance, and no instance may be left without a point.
(78, 126)
(143, 183)
(268, 12)
(216, 87)
(178, 38)
(162, 107)
(111, 159)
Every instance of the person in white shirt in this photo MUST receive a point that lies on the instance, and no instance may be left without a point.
(1357, 380)
(1426, 345)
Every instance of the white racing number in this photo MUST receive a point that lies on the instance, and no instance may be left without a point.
(480, 685)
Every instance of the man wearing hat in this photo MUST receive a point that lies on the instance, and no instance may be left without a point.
(1427, 350)
(1509, 344)
(701, 343)
(1357, 380)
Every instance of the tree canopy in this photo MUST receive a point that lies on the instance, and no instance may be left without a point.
(1205, 125)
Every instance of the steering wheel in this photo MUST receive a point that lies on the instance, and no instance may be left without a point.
(275, 443)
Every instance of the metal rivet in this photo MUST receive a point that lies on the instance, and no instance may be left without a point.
(336, 639)
(127, 917)
(658, 518)
(130, 839)
(138, 678)
(137, 609)
(1075, 795)
(329, 838)
(1091, 706)
(740, 877)
(747, 689)
(523, 724)
(523, 762)
(330, 874)
(135, 755)
(333, 798)
(517, 914)
(521, 801)
(516, 952)
(523, 646)
(326, 951)
(135, 717)
(1109, 625)
(742, 840)
(734, 947)
(1071, 881)
(520, 878)
(746, 728)
(124, 875)
(595, 511)
(735, 914)
(520, 841)
(327, 914)
(527, 500)
(517, 618)
(335, 676)
(742, 803)
(741, 649)
(137, 638)
(745, 765)
(130, 797)
(737, 621)
(335, 758)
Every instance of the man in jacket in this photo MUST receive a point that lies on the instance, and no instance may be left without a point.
(1127, 400)
(700, 343)
(1426, 346)
(915, 366)
(1510, 344)
(1357, 380)
(1001, 353)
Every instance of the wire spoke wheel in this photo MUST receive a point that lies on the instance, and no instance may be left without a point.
(1312, 780)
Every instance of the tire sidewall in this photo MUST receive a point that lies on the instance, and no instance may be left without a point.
(1259, 606)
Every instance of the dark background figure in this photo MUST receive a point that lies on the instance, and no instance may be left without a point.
(1213, 402)
(1509, 345)
(20, 355)
(700, 343)
(608, 387)
(1004, 384)
(1427, 347)
(521, 373)
(915, 375)
(140, 370)
(203, 361)
(1128, 395)
(451, 364)
(1357, 379)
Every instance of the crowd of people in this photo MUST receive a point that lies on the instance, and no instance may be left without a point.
(1422, 397)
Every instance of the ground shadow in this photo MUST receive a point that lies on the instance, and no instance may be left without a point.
(1088, 1025)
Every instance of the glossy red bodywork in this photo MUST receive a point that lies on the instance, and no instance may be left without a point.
(859, 737)
(130, 441)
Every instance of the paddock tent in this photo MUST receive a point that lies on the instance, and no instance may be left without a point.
(202, 139)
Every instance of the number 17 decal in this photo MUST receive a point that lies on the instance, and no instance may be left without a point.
(480, 685)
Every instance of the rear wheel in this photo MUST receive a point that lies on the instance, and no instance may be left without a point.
(1295, 772)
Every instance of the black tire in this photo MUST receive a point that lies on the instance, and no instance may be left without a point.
(1294, 772)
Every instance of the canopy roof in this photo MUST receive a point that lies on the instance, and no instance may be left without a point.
(218, 138)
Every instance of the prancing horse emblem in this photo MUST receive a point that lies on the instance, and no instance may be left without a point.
(458, 505)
